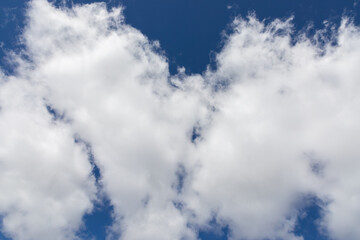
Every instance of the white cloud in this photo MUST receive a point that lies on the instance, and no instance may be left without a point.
(45, 181)
(285, 106)
(279, 109)
(113, 86)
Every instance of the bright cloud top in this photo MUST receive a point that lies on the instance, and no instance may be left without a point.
(275, 122)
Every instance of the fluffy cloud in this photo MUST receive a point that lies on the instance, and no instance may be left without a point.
(284, 111)
(45, 181)
(278, 121)
(112, 85)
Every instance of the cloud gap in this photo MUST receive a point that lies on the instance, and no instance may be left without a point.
(95, 169)
(215, 231)
(308, 224)
(56, 115)
(98, 223)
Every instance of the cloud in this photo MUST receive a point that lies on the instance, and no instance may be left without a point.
(281, 109)
(45, 181)
(108, 80)
(274, 123)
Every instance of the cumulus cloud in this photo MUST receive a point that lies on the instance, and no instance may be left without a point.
(109, 81)
(45, 181)
(283, 109)
(242, 144)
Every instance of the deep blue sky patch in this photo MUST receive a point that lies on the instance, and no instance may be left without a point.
(190, 31)
(98, 223)
(308, 222)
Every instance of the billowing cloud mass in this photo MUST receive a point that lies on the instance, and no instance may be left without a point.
(241, 145)
(45, 180)
(286, 125)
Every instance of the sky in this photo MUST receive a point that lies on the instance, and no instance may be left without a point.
(167, 119)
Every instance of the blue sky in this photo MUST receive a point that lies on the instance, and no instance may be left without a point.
(190, 31)
(200, 37)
